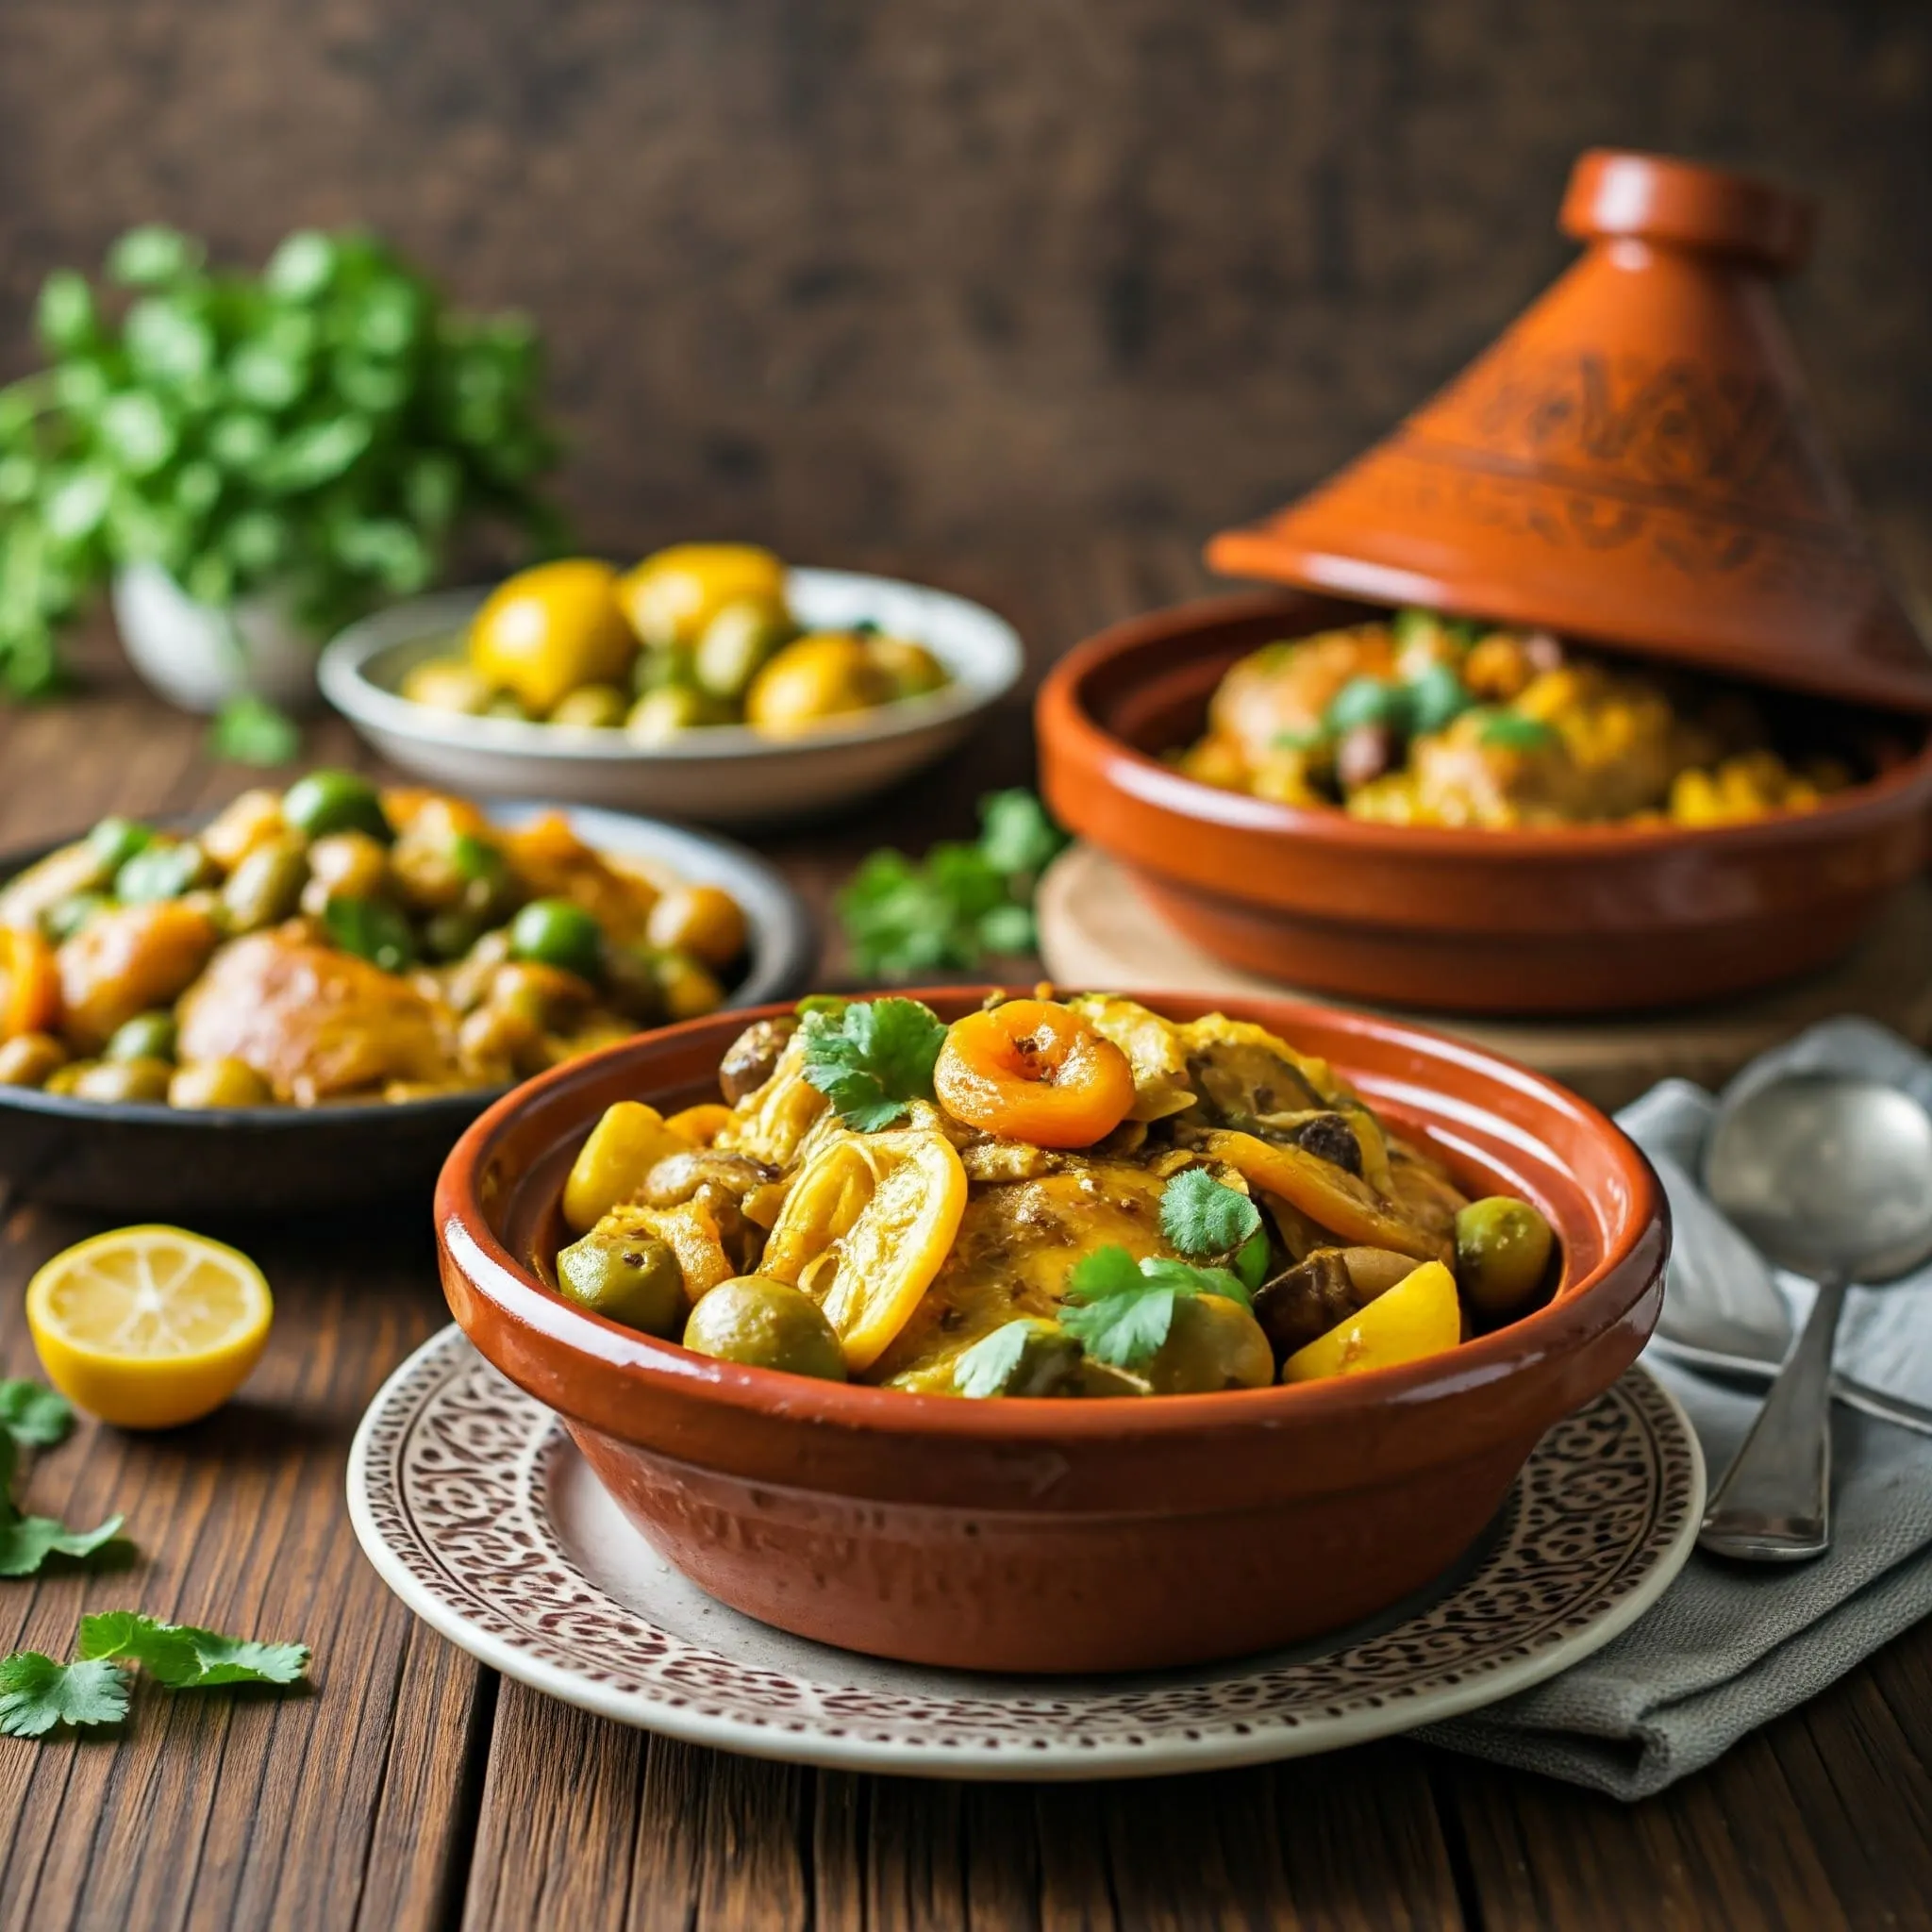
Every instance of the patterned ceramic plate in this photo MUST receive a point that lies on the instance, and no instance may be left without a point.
(471, 1502)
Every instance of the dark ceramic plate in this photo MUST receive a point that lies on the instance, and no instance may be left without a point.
(130, 1158)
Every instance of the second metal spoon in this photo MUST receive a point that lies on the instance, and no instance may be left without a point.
(1830, 1177)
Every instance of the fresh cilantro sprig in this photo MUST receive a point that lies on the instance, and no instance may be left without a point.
(1208, 1220)
(32, 1417)
(36, 1417)
(872, 1058)
(986, 1368)
(36, 1692)
(1120, 1309)
(957, 905)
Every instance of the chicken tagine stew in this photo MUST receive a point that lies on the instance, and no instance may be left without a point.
(338, 942)
(1064, 1197)
(1430, 720)
(700, 634)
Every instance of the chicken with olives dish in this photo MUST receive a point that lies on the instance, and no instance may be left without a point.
(1429, 721)
(1068, 1197)
(334, 942)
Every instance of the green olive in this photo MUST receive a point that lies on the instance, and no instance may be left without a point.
(591, 707)
(659, 715)
(328, 801)
(115, 841)
(1502, 1250)
(1212, 1343)
(734, 645)
(218, 1083)
(28, 1058)
(766, 1324)
(164, 868)
(146, 1037)
(558, 932)
(66, 917)
(136, 1080)
(686, 987)
(632, 1278)
(266, 886)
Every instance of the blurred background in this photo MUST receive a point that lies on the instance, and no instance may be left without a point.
(968, 285)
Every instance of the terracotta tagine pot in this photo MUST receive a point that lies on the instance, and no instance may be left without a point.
(1635, 464)
(1636, 460)
(1033, 1535)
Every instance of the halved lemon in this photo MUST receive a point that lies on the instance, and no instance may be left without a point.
(148, 1327)
(1419, 1316)
(867, 1225)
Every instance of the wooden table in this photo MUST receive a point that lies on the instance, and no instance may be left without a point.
(413, 1790)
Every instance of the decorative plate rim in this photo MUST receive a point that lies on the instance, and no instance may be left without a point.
(665, 1691)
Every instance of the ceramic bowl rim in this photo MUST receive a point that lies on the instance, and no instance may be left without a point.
(1583, 1311)
(983, 673)
(1064, 712)
(781, 916)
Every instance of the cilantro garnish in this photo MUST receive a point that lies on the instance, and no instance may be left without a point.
(37, 1693)
(1120, 1310)
(961, 902)
(37, 1418)
(34, 1416)
(872, 1057)
(1205, 1218)
(987, 1366)
(252, 731)
(186, 1658)
(1511, 731)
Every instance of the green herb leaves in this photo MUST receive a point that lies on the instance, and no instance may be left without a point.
(318, 432)
(251, 731)
(32, 1417)
(1203, 1218)
(36, 1692)
(873, 1057)
(185, 1657)
(1120, 1311)
(371, 930)
(992, 1361)
(948, 911)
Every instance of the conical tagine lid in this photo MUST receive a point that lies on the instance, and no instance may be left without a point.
(1636, 460)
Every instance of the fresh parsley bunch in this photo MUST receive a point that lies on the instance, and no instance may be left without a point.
(959, 905)
(319, 431)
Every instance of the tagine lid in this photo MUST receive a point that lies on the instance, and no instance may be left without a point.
(1636, 460)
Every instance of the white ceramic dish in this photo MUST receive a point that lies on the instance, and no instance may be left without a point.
(728, 775)
(478, 1512)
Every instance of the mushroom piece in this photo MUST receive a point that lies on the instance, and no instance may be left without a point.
(753, 1058)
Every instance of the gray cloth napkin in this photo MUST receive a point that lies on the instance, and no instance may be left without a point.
(1730, 1646)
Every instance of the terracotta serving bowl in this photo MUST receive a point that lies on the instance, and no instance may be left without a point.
(1594, 918)
(1054, 1535)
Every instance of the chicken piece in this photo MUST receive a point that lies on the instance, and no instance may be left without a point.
(1016, 1246)
(1287, 689)
(549, 862)
(1152, 1049)
(315, 1022)
(130, 959)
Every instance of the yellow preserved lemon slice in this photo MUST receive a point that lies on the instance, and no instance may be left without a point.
(1419, 1316)
(148, 1327)
(1328, 1195)
(867, 1225)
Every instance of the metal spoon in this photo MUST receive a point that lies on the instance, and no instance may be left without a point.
(1831, 1177)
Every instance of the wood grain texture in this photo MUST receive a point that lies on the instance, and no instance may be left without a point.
(967, 276)
(412, 1793)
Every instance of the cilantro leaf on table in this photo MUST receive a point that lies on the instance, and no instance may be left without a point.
(961, 902)
(251, 731)
(872, 1057)
(37, 1693)
(27, 1541)
(1120, 1310)
(1205, 1218)
(34, 1416)
(187, 1657)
